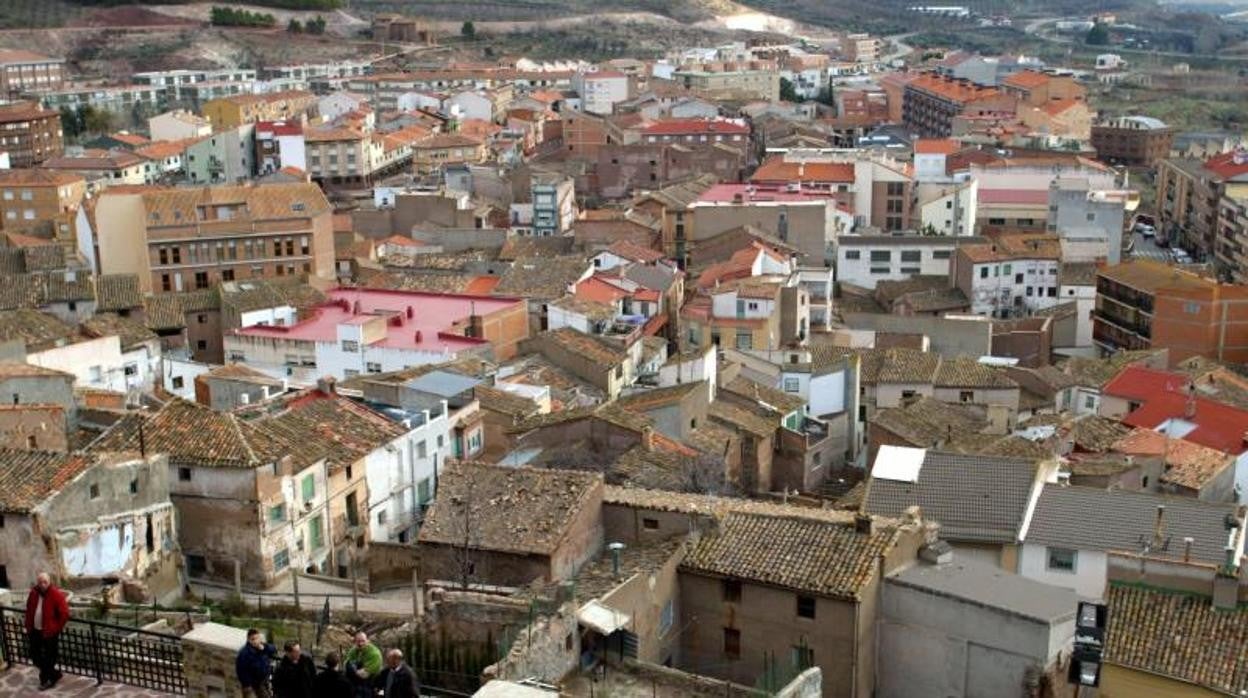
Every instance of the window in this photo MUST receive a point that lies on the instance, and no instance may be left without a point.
(880, 270)
(1191, 308)
(792, 385)
(731, 590)
(309, 488)
(966, 395)
(1018, 278)
(1061, 559)
(134, 487)
(277, 513)
(881, 255)
(732, 643)
(178, 382)
(650, 524)
(803, 657)
(350, 345)
(424, 491)
(1052, 292)
(666, 617)
(1089, 402)
(281, 560)
(853, 254)
(983, 272)
(94, 491)
(372, 367)
(201, 279)
(184, 474)
(422, 450)
(911, 255)
(744, 340)
(316, 532)
(805, 606)
(896, 188)
(381, 517)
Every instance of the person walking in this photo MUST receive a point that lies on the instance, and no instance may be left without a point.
(254, 664)
(398, 680)
(363, 665)
(331, 683)
(294, 674)
(47, 612)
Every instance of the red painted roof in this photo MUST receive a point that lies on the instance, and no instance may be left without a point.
(1164, 396)
(1228, 165)
(632, 251)
(280, 128)
(680, 127)
(482, 285)
(936, 146)
(595, 288)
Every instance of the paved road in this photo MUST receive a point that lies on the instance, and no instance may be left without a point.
(22, 681)
(1146, 248)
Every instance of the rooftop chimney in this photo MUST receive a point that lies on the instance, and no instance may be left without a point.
(615, 549)
(864, 524)
(327, 385)
(1157, 526)
(1187, 548)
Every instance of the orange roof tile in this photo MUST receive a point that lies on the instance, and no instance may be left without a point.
(936, 146)
(1026, 79)
(777, 169)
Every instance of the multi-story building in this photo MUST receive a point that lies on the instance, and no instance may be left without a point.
(174, 82)
(25, 71)
(1139, 141)
(805, 220)
(31, 134)
(1009, 275)
(226, 157)
(762, 313)
(1231, 252)
(232, 112)
(193, 238)
(861, 48)
(358, 331)
(1089, 220)
(41, 201)
(753, 80)
(1189, 196)
(433, 152)
(866, 260)
(317, 71)
(178, 125)
(601, 90)
(123, 100)
(280, 144)
(103, 168)
(554, 204)
(1143, 304)
(1037, 89)
(931, 101)
(698, 131)
(342, 155)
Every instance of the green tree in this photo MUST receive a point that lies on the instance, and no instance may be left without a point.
(1098, 35)
(71, 122)
(95, 120)
(315, 26)
(468, 30)
(294, 27)
(787, 92)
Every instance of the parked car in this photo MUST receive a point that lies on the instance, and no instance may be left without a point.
(1147, 231)
(1180, 256)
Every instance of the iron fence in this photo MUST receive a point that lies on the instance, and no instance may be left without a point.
(103, 651)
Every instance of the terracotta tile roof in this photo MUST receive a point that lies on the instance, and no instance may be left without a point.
(770, 399)
(63, 287)
(445, 140)
(542, 277)
(130, 332)
(9, 369)
(22, 291)
(908, 366)
(936, 146)
(793, 552)
(23, 111)
(777, 169)
(312, 425)
(958, 91)
(117, 292)
(695, 126)
(1098, 372)
(255, 294)
(518, 247)
(190, 433)
(744, 420)
(643, 400)
(38, 330)
(964, 372)
(516, 510)
(927, 422)
(1188, 465)
(1177, 635)
(586, 346)
(634, 252)
(1097, 434)
(166, 149)
(28, 478)
(37, 177)
(506, 402)
(91, 160)
(1059, 106)
(264, 202)
(1016, 246)
(1152, 276)
(1026, 79)
(17, 55)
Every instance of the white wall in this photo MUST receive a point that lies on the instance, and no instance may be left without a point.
(1085, 300)
(1088, 578)
(859, 271)
(95, 363)
(395, 471)
(280, 315)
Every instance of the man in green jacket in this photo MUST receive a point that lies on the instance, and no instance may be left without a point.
(363, 664)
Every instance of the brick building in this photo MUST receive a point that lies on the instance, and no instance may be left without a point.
(931, 101)
(26, 71)
(32, 134)
(1139, 141)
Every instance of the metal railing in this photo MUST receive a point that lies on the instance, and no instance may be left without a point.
(104, 651)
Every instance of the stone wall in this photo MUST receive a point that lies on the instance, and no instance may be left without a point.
(208, 658)
(390, 565)
(547, 649)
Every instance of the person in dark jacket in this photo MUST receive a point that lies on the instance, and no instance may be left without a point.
(294, 674)
(47, 612)
(331, 683)
(254, 664)
(398, 680)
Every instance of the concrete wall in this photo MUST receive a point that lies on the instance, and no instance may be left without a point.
(41, 427)
(1088, 578)
(546, 650)
(643, 597)
(950, 338)
(957, 648)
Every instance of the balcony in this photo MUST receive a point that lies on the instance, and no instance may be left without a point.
(1140, 327)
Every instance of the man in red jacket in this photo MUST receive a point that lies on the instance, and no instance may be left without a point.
(47, 612)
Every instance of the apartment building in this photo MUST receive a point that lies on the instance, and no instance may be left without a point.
(601, 90)
(26, 71)
(930, 102)
(866, 260)
(805, 220)
(753, 80)
(438, 150)
(123, 100)
(1143, 304)
(1036, 89)
(235, 111)
(280, 144)
(1090, 221)
(554, 204)
(755, 313)
(697, 131)
(175, 82)
(861, 48)
(1009, 275)
(1189, 196)
(41, 201)
(103, 168)
(228, 156)
(196, 237)
(30, 134)
(1138, 141)
(339, 156)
